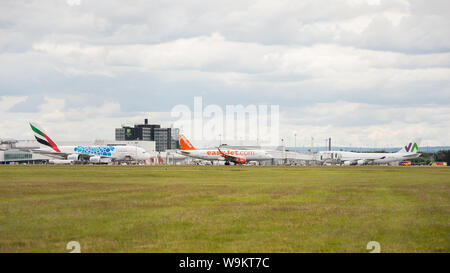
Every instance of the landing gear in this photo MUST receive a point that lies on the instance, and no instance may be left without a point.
(227, 162)
(127, 158)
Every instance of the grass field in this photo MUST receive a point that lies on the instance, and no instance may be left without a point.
(224, 208)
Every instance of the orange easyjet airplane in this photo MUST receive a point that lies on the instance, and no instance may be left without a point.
(227, 155)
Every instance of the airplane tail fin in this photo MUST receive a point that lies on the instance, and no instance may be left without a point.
(42, 137)
(412, 147)
(185, 144)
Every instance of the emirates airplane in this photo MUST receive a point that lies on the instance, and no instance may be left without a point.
(222, 154)
(93, 154)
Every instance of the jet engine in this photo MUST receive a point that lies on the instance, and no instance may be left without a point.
(348, 163)
(361, 162)
(73, 157)
(240, 160)
(95, 159)
(237, 160)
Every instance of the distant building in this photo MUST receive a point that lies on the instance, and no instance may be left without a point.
(165, 138)
(10, 154)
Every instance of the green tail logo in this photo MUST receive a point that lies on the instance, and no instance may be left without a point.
(411, 148)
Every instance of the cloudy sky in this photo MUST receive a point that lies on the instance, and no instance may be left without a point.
(364, 72)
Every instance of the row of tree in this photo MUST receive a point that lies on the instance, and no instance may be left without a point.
(428, 158)
(442, 156)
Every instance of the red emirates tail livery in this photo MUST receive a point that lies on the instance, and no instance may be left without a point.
(237, 156)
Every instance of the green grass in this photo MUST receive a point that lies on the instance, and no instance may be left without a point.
(224, 208)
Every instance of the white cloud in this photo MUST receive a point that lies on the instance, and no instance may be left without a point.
(8, 102)
(216, 54)
(103, 61)
(68, 123)
(367, 125)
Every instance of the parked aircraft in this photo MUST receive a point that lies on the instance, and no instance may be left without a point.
(352, 158)
(236, 156)
(93, 154)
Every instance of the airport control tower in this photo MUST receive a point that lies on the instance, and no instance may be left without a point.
(165, 138)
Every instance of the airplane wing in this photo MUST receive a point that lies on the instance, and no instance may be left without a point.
(231, 158)
(46, 153)
(58, 155)
(225, 156)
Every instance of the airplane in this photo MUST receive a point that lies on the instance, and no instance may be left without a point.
(168, 157)
(92, 154)
(352, 158)
(235, 156)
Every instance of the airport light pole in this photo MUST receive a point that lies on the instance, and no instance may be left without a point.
(284, 151)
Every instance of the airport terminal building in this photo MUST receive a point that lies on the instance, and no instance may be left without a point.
(10, 154)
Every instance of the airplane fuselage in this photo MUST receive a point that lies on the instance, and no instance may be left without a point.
(214, 154)
(376, 158)
(115, 153)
